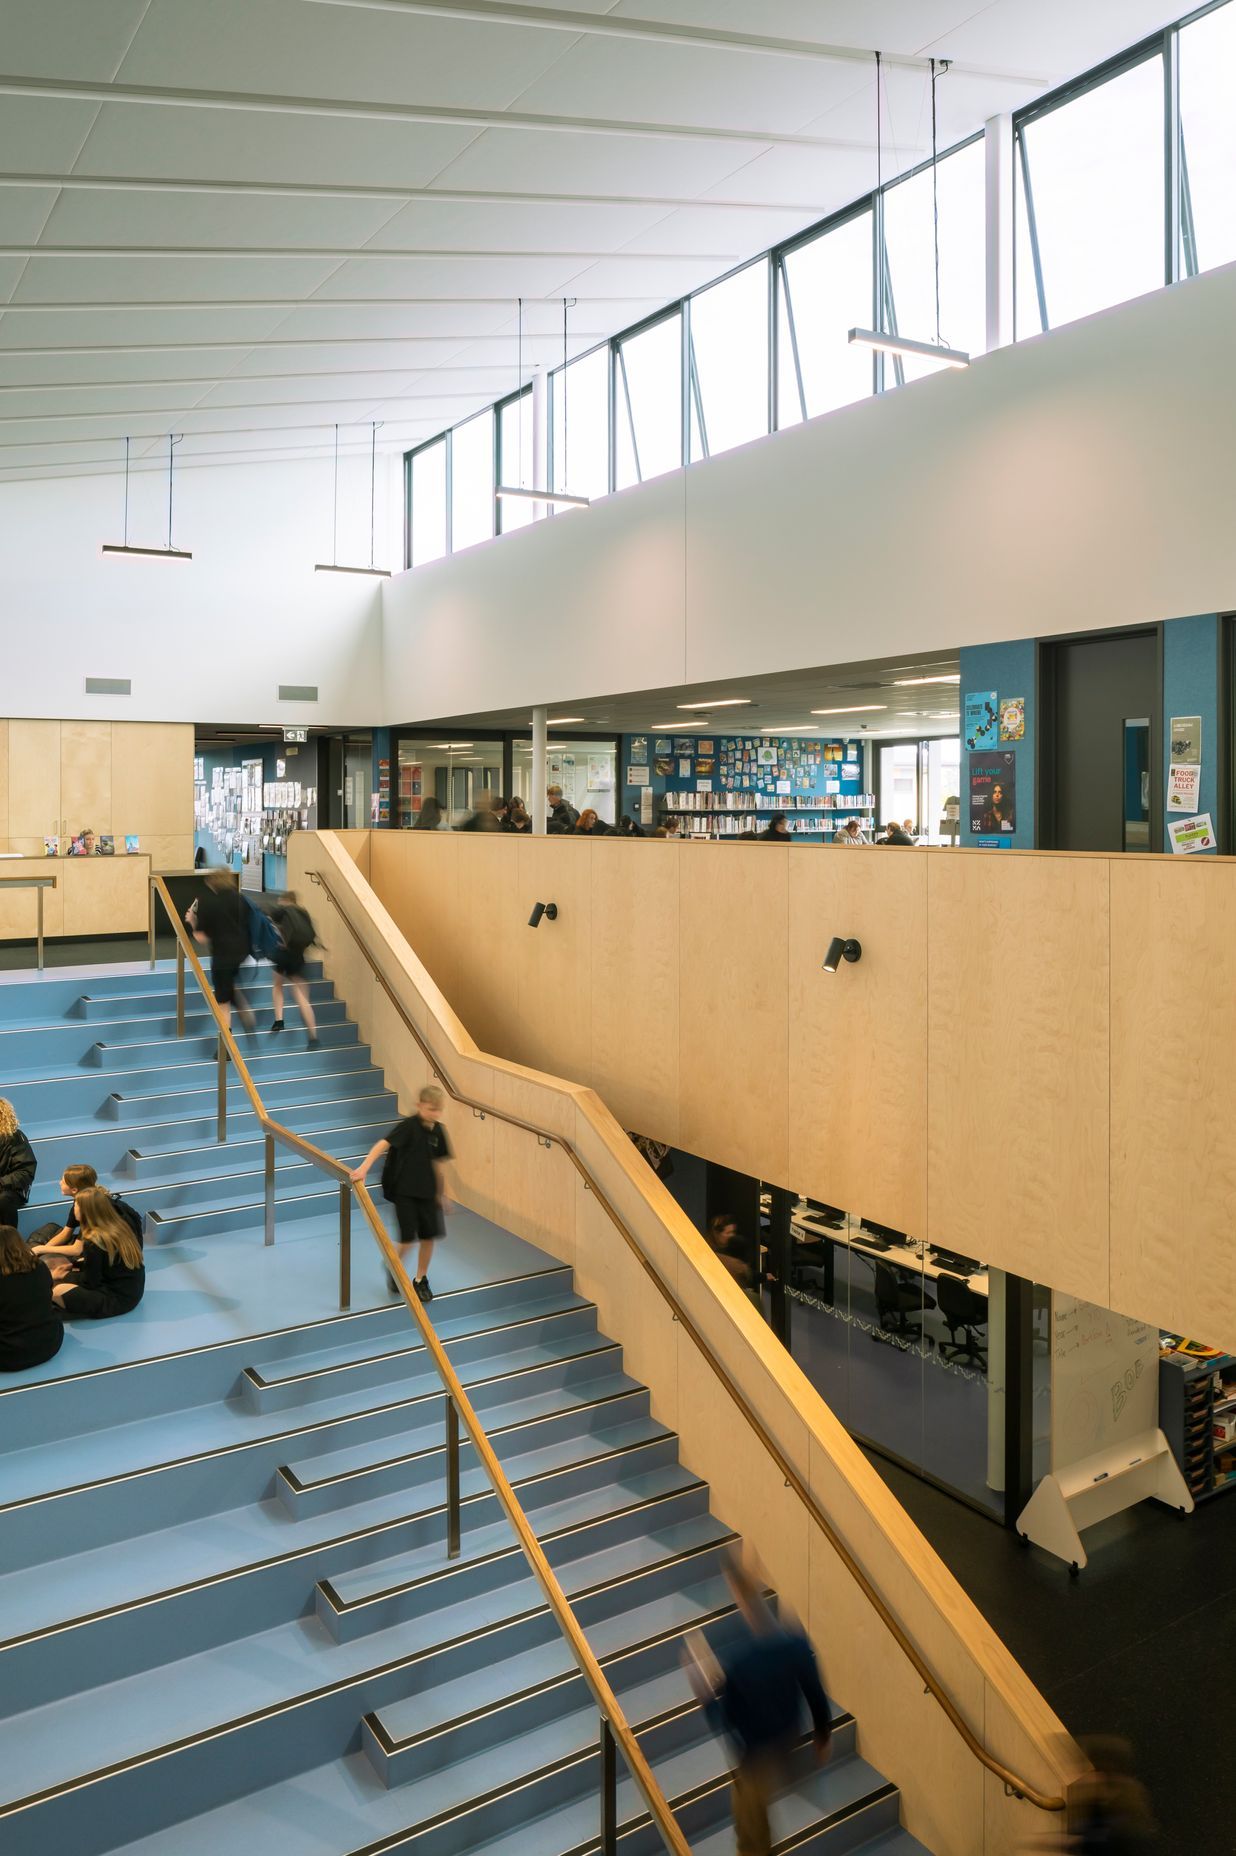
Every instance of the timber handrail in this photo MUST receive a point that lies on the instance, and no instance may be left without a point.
(613, 1720)
(931, 1682)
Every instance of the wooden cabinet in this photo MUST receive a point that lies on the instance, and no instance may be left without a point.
(57, 778)
(34, 784)
(85, 777)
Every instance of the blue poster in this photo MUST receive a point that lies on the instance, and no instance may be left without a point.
(982, 719)
(993, 794)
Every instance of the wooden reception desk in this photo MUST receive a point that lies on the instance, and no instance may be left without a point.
(93, 896)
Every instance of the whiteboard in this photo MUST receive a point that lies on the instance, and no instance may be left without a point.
(1104, 1379)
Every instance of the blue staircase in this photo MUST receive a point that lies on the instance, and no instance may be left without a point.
(227, 1621)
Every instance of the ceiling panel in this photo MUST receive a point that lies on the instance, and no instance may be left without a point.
(201, 144)
(265, 221)
(616, 276)
(10, 276)
(125, 279)
(65, 371)
(538, 161)
(299, 389)
(41, 135)
(23, 213)
(81, 327)
(320, 320)
(745, 231)
(452, 225)
(39, 33)
(895, 25)
(1056, 38)
(339, 357)
(451, 277)
(88, 402)
(286, 47)
(814, 181)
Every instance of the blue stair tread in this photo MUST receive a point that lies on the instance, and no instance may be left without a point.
(168, 1437)
(447, 1325)
(581, 1444)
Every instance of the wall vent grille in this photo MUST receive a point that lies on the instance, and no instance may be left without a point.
(298, 692)
(109, 686)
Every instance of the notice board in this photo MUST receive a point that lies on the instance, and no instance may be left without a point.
(1104, 1379)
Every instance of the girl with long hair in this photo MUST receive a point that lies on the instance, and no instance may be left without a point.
(17, 1165)
(30, 1329)
(109, 1276)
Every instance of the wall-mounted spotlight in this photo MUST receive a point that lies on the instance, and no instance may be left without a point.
(839, 950)
(543, 908)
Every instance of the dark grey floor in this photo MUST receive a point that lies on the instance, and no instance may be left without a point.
(15, 954)
(1142, 1644)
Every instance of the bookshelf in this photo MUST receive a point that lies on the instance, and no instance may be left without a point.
(1197, 1413)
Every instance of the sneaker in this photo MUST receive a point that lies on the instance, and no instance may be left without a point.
(314, 1043)
(392, 1287)
(277, 1025)
(423, 1290)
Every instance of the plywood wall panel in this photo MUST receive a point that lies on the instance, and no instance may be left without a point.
(34, 783)
(86, 777)
(1017, 1083)
(152, 778)
(105, 895)
(552, 966)
(490, 934)
(417, 883)
(1173, 1133)
(19, 907)
(732, 1037)
(634, 982)
(858, 1038)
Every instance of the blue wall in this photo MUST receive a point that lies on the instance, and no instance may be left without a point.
(1009, 669)
(274, 869)
(1191, 678)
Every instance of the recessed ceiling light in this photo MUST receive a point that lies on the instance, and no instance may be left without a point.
(793, 728)
(906, 683)
(862, 708)
(450, 744)
(719, 702)
(564, 721)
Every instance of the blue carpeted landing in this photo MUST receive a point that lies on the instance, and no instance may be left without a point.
(227, 1618)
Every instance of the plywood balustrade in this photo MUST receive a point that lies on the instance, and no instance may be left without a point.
(951, 1801)
(1017, 1067)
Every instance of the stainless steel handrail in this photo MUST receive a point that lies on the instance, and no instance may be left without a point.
(614, 1727)
(932, 1683)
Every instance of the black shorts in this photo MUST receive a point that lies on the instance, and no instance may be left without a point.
(94, 1304)
(289, 963)
(223, 978)
(420, 1221)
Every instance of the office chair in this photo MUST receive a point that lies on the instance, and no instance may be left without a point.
(964, 1312)
(897, 1300)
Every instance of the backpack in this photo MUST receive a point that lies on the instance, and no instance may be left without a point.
(264, 942)
(392, 1167)
(297, 928)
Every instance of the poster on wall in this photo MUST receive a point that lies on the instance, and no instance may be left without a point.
(1186, 740)
(664, 766)
(1191, 834)
(766, 754)
(703, 763)
(1184, 788)
(993, 797)
(637, 776)
(704, 747)
(639, 750)
(663, 745)
(982, 719)
(1013, 718)
(600, 773)
(850, 770)
(683, 745)
(684, 770)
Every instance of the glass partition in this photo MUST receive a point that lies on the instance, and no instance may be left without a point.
(448, 772)
(909, 243)
(1207, 64)
(579, 426)
(515, 460)
(729, 362)
(472, 481)
(427, 504)
(648, 402)
(587, 772)
(827, 287)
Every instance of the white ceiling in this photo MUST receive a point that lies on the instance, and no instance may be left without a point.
(869, 699)
(245, 220)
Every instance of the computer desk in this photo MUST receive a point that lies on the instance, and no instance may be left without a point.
(914, 1258)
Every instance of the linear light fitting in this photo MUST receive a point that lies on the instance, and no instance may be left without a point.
(719, 702)
(450, 744)
(558, 498)
(149, 554)
(792, 728)
(917, 351)
(563, 721)
(862, 708)
(335, 565)
(909, 683)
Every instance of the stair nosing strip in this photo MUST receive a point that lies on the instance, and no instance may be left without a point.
(218, 1450)
(305, 1699)
(374, 1531)
(298, 1327)
(319, 1372)
(504, 1430)
(176, 1121)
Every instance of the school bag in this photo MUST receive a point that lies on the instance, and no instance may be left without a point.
(264, 942)
(297, 928)
(392, 1167)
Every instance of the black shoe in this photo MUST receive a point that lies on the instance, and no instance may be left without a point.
(423, 1290)
(392, 1287)
(314, 1043)
(278, 1025)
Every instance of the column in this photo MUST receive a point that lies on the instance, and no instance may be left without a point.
(999, 198)
(539, 777)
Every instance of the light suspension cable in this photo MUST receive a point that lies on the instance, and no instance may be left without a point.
(125, 547)
(334, 565)
(519, 492)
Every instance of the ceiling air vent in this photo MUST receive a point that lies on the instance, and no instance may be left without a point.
(109, 686)
(298, 692)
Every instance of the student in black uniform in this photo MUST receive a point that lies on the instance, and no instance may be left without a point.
(51, 1241)
(221, 918)
(30, 1329)
(298, 934)
(414, 1180)
(110, 1273)
(17, 1165)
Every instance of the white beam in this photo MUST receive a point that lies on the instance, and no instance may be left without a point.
(998, 185)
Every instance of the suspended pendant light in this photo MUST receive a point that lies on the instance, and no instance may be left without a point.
(150, 554)
(883, 339)
(335, 565)
(558, 499)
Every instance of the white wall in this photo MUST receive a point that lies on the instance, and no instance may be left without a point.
(205, 640)
(1083, 479)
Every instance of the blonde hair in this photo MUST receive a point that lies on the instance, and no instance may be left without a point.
(9, 1123)
(103, 1225)
(432, 1094)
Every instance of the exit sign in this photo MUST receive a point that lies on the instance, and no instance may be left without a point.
(296, 734)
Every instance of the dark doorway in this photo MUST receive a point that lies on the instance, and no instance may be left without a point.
(1101, 751)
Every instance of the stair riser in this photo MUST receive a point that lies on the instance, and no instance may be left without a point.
(161, 1003)
(273, 1060)
(469, 1582)
(315, 1198)
(175, 1104)
(292, 1181)
(238, 1156)
(426, 1469)
(129, 1044)
(481, 1350)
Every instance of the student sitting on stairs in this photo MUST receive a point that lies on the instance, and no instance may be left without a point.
(51, 1241)
(109, 1271)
